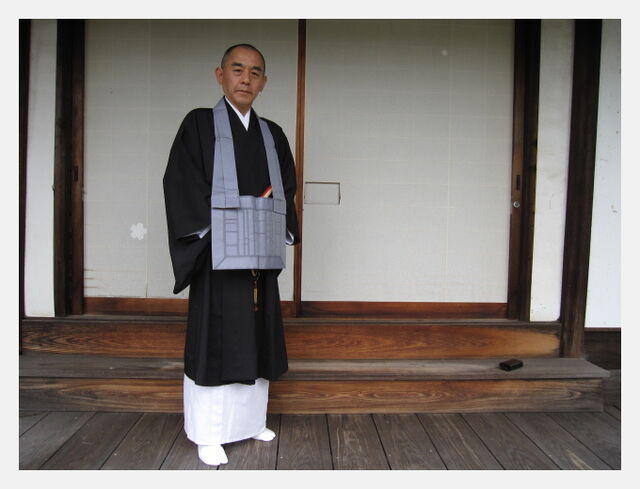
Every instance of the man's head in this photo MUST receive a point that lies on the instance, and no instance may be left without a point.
(241, 75)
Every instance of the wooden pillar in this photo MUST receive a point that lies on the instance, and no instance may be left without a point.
(68, 178)
(582, 153)
(297, 260)
(23, 124)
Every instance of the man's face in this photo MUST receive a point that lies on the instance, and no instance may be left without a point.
(242, 77)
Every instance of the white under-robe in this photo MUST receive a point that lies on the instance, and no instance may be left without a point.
(214, 415)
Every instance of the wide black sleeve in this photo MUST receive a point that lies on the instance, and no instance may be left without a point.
(289, 184)
(187, 196)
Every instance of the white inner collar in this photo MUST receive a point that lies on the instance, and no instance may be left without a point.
(243, 118)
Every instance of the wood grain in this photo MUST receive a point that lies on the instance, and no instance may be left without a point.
(613, 411)
(379, 340)
(599, 431)
(458, 445)
(453, 369)
(136, 306)
(147, 444)
(304, 443)
(39, 443)
(183, 455)
(299, 163)
(580, 182)
(406, 444)
(92, 444)
(523, 175)
(336, 309)
(355, 443)
(28, 419)
(557, 444)
(508, 445)
(60, 365)
(316, 397)
(66, 365)
(421, 310)
(254, 454)
(318, 338)
(164, 396)
(106, 336)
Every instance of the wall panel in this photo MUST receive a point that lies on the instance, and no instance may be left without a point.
(142, 77)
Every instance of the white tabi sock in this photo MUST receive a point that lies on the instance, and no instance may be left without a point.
(212, 454)
(265, 435)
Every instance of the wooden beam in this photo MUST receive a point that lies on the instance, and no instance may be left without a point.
(325, 396)
(23, 128)
(76, 204)
(317, 338)
(69, 154)
(582, 152)
(422, 310)
(523, 177)
(300, 108)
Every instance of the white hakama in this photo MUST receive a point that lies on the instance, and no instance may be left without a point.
(224, 414)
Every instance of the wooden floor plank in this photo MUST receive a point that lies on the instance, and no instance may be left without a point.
(458, 445)
(29, 418)
(406, 443)
(613, 411)
(304, 443)
(254, 454)
(183, 455)
(508, 445)
(39, 443)
(92, 444)
(147, 444)
(598, 431)
(355, 444)
(567, 452)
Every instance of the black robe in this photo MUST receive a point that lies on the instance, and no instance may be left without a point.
(226, 340)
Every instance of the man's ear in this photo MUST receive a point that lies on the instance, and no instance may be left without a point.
(218, 74)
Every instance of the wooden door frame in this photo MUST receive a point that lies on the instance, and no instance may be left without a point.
(524, 160)
(69, 290)
(24, 53)
(68, 169)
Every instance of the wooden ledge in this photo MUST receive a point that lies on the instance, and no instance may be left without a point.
(52, 365)
(450, 369)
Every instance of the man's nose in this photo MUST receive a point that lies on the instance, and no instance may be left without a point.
(245, 77)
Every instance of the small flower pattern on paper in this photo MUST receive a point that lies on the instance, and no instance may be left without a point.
(138, 231)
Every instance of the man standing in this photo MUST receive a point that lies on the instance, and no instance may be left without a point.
(235, 339)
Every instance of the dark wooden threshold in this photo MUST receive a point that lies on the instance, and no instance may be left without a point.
(428, 310)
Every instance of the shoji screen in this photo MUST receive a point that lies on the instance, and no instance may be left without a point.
(142, 77)
(413, 120)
